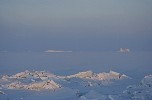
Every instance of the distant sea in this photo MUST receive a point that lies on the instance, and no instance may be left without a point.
(133, 64)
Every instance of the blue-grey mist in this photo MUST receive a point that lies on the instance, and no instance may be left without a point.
(93, 29)
(77, 25)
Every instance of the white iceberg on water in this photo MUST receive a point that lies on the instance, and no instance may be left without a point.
(55, 51)
(124, 50)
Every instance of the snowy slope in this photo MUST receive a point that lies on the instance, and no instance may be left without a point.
(87, 85)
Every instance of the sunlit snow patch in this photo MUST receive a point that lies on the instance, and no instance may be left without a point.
(34, 80)
(38, 80)
(100, 76)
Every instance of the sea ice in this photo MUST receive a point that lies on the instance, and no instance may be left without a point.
(141, 91)
(99, 76)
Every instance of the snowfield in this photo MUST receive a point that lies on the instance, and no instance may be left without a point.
(38, 80)
(87, 85)
(141, 91)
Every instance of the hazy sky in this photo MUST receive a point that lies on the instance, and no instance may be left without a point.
(77, 25)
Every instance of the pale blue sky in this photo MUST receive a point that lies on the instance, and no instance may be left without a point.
(77, 25)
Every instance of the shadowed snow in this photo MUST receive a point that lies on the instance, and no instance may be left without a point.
(141, 91)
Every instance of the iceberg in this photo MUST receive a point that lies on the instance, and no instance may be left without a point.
(124, 50)
(55, 51)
